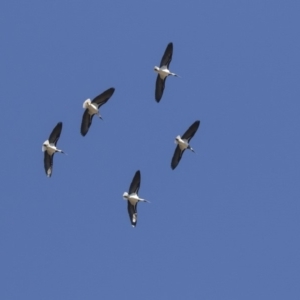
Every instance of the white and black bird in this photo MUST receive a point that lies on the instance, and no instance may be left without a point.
(183, 143)
(49, 148)
(133, 198)
(92, 108)
(163, 72)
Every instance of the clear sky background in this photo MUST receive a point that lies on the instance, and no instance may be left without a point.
(225, 224)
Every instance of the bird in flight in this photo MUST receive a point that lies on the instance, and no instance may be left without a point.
(163, 72)
(92, 108)
(183, 143)
(49, 148)
(133, 198)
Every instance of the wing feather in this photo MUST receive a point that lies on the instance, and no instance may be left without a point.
(104, 97)
(135, 183)
(86, 122)
(55, 134)
(167, 57)
(159, 87)
(132, 211)
(48, 163)
(191, 131)
(176, 157)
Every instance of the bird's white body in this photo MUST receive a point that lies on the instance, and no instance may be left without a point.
(91, 107)
(164, 72)
(183, 144)
(133, 198)
(50, 148)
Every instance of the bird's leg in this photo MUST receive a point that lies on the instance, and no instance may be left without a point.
(98, 114)
(175, 75)
(60, 151)
(143, 200)
(189, 147)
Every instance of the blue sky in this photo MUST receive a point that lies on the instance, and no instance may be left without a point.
(224, 224)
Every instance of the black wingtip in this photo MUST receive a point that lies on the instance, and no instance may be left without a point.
(112, 90)
(196, 124)
(59, 126)
(158, 98)
(82, 132)
(170, 47)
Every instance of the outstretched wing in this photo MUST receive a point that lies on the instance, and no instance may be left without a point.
(104, 97)
(86, 122)
(159, 87)
(135, 183)
(176, 157)
(48, 163)
(167, 57)
(55, 134)
(191, 131)
(132, 211)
